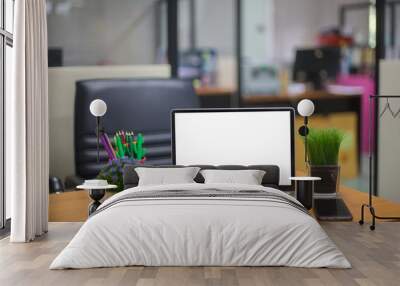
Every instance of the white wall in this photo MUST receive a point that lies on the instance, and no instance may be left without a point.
(389, 133)
(61, 106)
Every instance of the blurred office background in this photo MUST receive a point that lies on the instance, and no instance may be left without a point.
(237, 53)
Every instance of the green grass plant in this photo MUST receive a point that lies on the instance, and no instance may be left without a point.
(324, 146)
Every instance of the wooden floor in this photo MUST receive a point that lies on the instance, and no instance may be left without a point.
(375, 257)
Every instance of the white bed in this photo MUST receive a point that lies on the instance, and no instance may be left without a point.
(184, 230)
(169, 224)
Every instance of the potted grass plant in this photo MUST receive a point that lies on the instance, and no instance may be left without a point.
(323, 155)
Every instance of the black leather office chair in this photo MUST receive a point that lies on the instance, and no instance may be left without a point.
(140, 105)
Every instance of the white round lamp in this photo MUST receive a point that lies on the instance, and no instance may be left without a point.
(98, 107)
(305, 108)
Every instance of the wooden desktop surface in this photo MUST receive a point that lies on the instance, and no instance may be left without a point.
(263, 98)
(73, 205)
(215, 91)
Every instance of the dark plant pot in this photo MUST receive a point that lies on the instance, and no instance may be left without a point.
(329, 174)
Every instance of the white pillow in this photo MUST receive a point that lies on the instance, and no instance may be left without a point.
(248, 177)
(165, 176)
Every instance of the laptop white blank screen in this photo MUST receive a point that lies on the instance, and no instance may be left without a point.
(234, 138)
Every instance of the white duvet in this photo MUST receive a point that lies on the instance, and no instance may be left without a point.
(200, 231)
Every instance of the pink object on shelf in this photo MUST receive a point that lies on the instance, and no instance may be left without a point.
(368, 88)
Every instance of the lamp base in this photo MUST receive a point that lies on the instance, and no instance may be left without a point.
(96, 195)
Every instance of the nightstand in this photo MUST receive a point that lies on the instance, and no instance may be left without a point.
(304, 190)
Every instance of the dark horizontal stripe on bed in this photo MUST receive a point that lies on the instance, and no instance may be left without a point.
(205, 194)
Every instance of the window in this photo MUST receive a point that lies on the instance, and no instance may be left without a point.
(103, 32)
(6, 44)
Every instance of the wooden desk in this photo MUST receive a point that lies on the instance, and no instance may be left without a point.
(212, 97)
(72, 206)
(325, 102)
(215, 91)
(313, 95)
(255, 99)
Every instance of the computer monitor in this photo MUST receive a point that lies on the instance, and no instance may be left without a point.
(245, 136)
(316, 66)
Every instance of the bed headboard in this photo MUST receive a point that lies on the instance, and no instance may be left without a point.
(270, 179)
(243, 136)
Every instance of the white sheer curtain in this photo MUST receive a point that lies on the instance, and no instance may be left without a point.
(27, 161)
